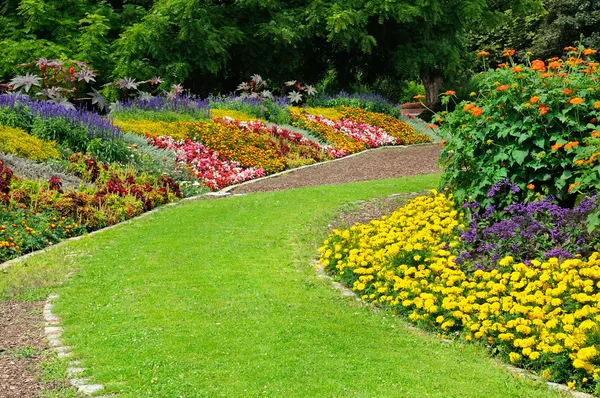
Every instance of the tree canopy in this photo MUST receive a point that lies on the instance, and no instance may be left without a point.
(211, 46)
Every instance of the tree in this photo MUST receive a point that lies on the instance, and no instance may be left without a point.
(567, 22)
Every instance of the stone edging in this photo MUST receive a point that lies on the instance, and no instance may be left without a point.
(347, 292)
(53, 334)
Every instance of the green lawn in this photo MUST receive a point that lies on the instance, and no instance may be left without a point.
(217, 298)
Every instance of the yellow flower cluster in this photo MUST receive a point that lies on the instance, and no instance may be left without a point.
(329, 113)
(177, 130)
(544, 316)
(405, 134)
(233, 114)
(18, 142)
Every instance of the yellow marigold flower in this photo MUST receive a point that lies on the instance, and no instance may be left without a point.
(546, 374)
(514, 357)
(505, 261)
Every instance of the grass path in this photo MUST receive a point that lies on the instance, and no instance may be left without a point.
(216, 298)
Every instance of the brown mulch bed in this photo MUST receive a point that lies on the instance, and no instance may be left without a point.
(364, 211)
(371, 165)
(22, 343)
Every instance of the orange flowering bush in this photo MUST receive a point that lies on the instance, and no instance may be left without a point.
(403, 132)
(532, 123)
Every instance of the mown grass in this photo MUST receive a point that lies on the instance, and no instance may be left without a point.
(217, 298)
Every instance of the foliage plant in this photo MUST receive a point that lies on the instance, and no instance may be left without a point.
(528, 122)
(299, 93)
(58, 81)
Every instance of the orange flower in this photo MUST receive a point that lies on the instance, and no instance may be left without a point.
(572, 186)
(483, 53)
(419, 96)
(476, 111)
(595, 134)
(589, 51)
(556, 146)
(502, 87)
(468, 107)
(502, 65)
(570, 49)
(571, 144)
(567, 91)
(517, 69)
(431, 126)
(531, 187)
(543, 109)
(576, 100)
(450, 92)
(534, 99)
(538, 64)
(597, 105)
(508, 53)
(545, 75)
(443, 143)
(555, 65)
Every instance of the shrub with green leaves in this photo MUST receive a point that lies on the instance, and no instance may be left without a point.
(527, 123)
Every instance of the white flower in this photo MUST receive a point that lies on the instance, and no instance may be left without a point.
(290, 83)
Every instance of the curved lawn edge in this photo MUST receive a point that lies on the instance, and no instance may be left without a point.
(216, 194)
(232, 187)
(323, 329)
(345, 291)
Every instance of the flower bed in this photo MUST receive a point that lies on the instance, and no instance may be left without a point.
(208, 166)
(338, 139)
(401, 131)
(230, 113)
(18, 142)
(247, 148)
(176, 130)
(542, 315)
(40, 213)
(296, 149)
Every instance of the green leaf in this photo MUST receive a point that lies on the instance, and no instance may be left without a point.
(519, 155)
(540, 142)
(593, 221)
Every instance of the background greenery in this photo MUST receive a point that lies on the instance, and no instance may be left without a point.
(355, 46)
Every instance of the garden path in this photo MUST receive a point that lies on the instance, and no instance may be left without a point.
(378, 164)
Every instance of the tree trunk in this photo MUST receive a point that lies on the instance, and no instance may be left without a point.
(433, 83)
